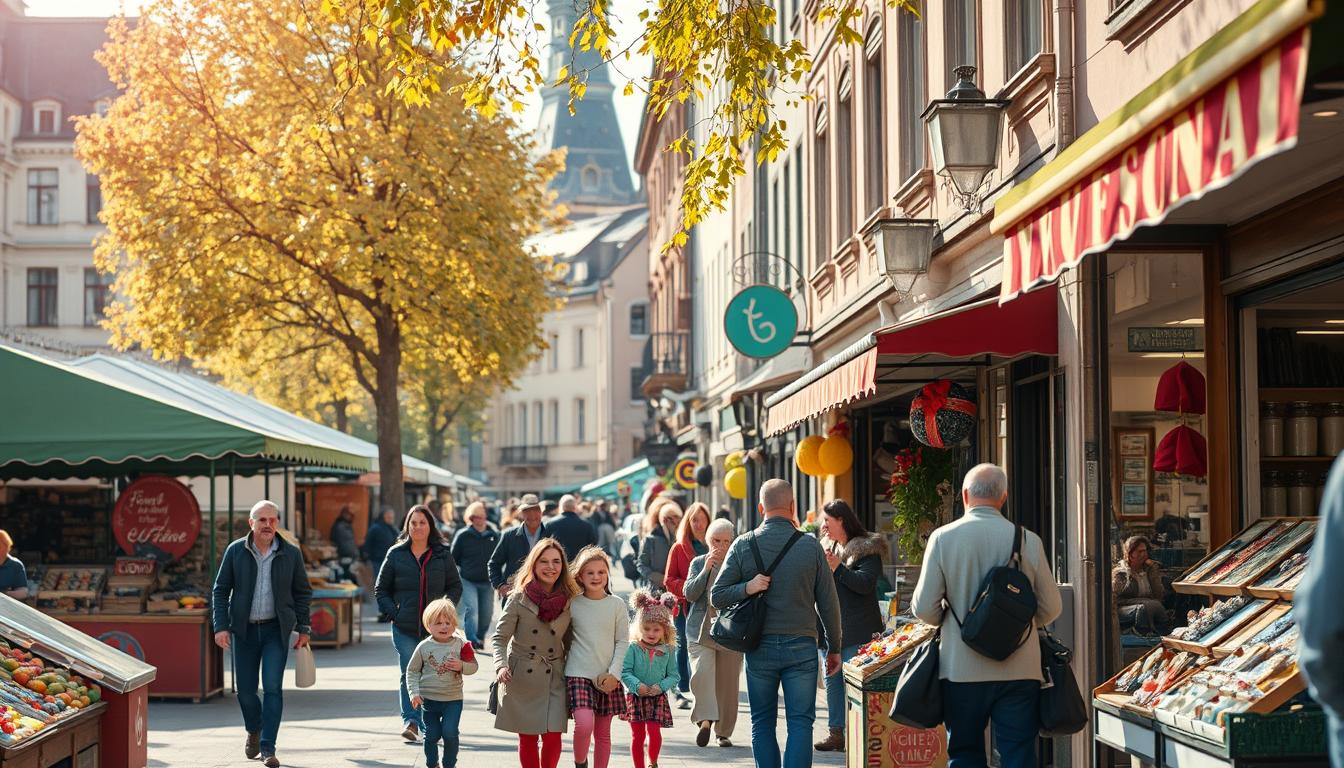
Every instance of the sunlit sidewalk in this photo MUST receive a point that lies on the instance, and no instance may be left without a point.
(350, 719)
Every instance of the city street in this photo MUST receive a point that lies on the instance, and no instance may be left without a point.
(349, 719)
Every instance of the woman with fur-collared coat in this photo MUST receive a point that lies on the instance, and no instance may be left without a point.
(855, 557)
(530, 643)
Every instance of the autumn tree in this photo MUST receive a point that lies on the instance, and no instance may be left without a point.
(697, 46)
(264, 180)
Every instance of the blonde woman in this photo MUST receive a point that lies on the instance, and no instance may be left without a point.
(530, 645)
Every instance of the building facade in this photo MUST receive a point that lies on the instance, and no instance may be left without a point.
(50, 293)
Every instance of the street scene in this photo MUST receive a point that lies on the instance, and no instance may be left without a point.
(863, 383)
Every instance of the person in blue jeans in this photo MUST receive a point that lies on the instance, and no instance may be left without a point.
(472, 547)
(979, 691)
(434, 679)
(261, 595)
(798, 591)
(855, 558)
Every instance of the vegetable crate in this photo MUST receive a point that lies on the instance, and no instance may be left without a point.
(873, 740)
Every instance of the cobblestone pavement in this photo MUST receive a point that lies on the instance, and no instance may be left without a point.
(350, 719)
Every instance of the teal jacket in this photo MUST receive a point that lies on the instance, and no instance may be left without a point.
(661, 670)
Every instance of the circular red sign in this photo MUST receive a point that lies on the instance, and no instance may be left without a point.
(156, 517)
(914, 747)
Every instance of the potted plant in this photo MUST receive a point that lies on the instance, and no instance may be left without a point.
(920, 488)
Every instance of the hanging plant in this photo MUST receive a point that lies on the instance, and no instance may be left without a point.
(920, 484)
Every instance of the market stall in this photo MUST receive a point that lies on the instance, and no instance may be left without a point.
(67, 697)
(873, 739)
(1225, 689)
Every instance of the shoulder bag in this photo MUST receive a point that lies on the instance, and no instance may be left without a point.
(1061, 705)
(1004, 612)
(739, 626)
(917, 701)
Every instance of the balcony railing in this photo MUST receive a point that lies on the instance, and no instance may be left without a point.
(667, 360)
(523, 455)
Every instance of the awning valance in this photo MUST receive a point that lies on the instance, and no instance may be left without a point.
(1230, 103)
(975, 330)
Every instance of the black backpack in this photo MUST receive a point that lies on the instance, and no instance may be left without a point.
(1004, 612)
(739, 626)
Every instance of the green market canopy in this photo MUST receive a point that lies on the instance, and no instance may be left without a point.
(636, 475)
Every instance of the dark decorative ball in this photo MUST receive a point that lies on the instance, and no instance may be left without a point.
(704, 476)
(942, 414)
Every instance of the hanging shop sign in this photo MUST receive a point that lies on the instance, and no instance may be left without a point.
(660, 455)
(684, 472)
(1164, 338)
(1211, 139)
(760, 321)
(156, 517)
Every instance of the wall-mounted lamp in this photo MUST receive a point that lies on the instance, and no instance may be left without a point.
(904, 249)
(965, 131)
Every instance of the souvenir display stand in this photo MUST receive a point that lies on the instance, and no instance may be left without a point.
(67, 698)
(873, 740)
(1224, 690)
(336, 615)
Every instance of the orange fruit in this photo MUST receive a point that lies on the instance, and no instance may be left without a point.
(38, 685)
(83, 701)
(65, 697)
(21, 677)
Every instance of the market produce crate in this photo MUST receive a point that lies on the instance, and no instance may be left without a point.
(1297, 731)
(874, 740)
(1207, 644)
(1256, 550)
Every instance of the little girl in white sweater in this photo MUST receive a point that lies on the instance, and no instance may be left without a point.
(601, 629)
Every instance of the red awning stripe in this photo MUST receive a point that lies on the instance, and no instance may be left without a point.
(852, 380)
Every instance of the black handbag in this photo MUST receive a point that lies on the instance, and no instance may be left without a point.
(1061, 705)
(918, 699)
(492, 704)
(739, 626)
(1001, 619)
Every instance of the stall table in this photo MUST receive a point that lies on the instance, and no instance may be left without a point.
(337, 616)
(181, 645)
(874, 740)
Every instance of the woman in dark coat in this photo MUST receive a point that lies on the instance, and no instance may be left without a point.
(418, 569)
(855, 557)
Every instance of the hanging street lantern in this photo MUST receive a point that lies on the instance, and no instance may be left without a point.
(904, 249)
(965, 132)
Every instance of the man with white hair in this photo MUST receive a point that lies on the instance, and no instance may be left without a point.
(572, 531)
(261, 596)
(798, 591)
(978, 690)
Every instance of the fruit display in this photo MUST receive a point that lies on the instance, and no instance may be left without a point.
(874, 657)
(71, 589)
(176, 602)
(34, 696)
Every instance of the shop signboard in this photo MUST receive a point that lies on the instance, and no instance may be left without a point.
(660, 455)
(156, 517)
(685, 473)
(876, 741)
(760, 321)
(1164, 338)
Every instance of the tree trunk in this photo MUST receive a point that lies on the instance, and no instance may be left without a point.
(387, 408)
(342, 409)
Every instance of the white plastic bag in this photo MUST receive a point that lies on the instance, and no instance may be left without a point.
(305, 667)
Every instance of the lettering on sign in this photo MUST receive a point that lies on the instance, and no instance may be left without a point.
(156, 517)
(1164, 338)
(132, 566)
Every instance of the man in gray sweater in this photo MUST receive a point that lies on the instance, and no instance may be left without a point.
(796, 593)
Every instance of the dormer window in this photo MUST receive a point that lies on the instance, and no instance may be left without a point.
(590, 177)
(46, 118)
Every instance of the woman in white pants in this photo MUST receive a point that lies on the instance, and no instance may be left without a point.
(714, 669)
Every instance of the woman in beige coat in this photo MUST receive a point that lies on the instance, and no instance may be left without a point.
(529, 645)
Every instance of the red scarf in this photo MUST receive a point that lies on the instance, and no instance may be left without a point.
(549, 604)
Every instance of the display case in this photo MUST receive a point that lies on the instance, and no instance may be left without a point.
(74, 662)
(1239, 563)
(71, 589)
(872, 739)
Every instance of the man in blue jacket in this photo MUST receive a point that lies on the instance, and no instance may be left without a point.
(261, 595)
(514, 544)
(573, 532)
(1316, 605)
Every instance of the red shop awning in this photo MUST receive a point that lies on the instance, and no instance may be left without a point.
(983, 328)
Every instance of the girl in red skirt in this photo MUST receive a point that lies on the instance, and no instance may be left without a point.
(601, 633)
(649, 672)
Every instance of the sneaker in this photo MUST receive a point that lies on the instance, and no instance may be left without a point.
(411, 733)
(724, 742)
(682, 701)
(253, 746)
(269, 760)
(702, 738)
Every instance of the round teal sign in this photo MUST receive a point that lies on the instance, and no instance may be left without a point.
(761, 321)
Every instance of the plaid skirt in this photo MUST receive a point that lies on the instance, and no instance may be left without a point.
(648, 709)
(583, 694)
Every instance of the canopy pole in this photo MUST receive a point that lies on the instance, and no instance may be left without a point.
(288, 522)
(232, 472)
(266, 479)
(213, 550)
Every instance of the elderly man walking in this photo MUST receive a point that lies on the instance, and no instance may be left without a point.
(261, 595)
(798, 591)
(572, 531)
(977, 690)
(515, 544)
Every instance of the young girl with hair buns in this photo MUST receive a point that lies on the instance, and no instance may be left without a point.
(649, 672)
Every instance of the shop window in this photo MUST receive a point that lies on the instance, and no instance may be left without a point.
(1156, 310)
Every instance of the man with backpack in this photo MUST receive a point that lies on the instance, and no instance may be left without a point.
(995, 579)
(798, 589)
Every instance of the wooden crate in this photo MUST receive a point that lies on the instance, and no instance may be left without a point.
(1280, 528)
(1224, 631)
(1250, 629)
(1107, 692)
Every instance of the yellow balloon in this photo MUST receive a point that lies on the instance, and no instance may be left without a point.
(735, 482)
(836, 455)
(806, 457)
(732, 461)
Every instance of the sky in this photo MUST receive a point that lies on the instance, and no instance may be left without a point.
(628, 108)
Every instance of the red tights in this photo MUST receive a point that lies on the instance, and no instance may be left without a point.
(549, 756)
(637, 733)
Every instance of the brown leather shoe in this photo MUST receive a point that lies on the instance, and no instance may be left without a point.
(270, 760)
(833, 743)
(253, 746)
(412, 732)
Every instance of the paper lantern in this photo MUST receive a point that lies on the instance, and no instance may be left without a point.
(806, 458)
(733, 461)
(1182, 450)
(704, 476)
(735, 482)
(836, 455)
(942, 414)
